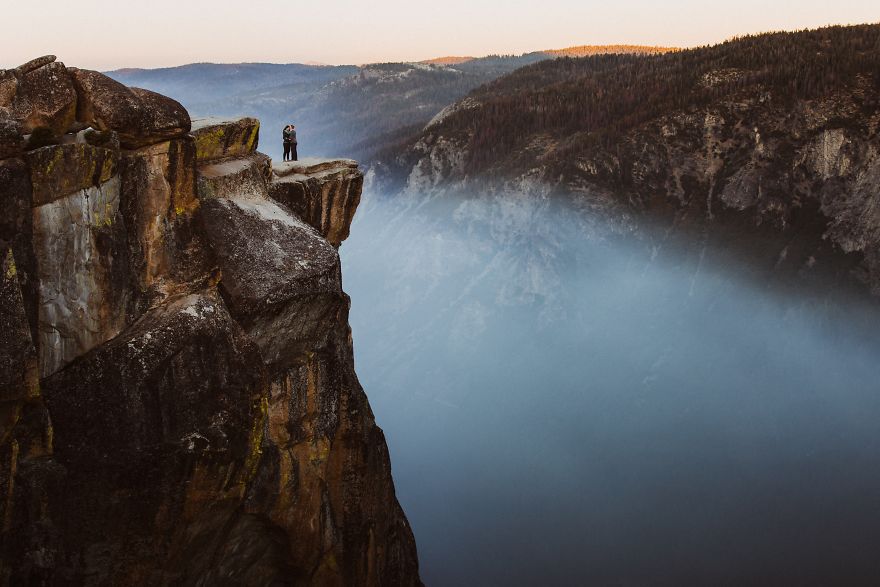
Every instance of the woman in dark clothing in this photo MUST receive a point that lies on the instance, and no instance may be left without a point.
(285, 134)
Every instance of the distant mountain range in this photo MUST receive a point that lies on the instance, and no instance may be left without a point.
(352, 111)
(578, 51)
(588, 50)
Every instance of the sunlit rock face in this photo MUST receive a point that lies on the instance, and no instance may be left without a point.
(220, 138)
(178, 402)
(78, 247)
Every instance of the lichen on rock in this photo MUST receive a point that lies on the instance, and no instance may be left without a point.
(40, 93)
(218, 138)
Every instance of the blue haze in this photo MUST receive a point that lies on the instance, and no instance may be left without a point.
(561, 410)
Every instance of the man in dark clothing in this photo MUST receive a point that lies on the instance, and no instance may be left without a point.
(293, 156)
(285, 134)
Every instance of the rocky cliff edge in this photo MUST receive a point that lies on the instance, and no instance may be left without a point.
(178, 403)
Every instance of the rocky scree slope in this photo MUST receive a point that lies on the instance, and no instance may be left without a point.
(765, 145)
(178, 403)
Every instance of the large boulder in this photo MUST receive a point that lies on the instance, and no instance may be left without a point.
(183, 375)
(280, 278)
(267, 255)
(323, 192)
(141, 117)
(159, 430)
(39, 94)
(218, 138)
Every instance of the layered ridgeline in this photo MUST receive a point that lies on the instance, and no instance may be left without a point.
(177, 392)
(767, 144)
(350, 110)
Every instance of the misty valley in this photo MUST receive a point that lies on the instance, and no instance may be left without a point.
(561, 405)
(598, 315)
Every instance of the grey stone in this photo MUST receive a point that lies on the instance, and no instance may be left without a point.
(232, 177)
(79, 244)
(279, 276)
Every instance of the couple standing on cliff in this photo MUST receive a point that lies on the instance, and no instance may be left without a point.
(289, 136)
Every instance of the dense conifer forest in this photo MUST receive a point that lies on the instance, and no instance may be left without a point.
(597, 98)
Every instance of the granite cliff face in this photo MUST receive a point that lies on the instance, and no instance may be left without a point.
(767, 145)
(795, 189)
(177, 392)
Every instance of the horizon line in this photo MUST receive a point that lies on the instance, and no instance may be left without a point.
(317, 63)
(426, 61)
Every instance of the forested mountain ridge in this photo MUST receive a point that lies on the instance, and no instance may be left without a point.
(588, 50)
(774, 134)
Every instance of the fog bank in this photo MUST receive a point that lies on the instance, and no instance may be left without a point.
(563, 410)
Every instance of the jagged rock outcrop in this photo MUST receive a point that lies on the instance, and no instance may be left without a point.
(140, 117)
(324, 193)
(178, 403)
(39, 93)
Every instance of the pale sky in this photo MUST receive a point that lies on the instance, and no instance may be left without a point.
(107, 34)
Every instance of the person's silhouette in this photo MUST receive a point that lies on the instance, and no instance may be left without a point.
(293, 155)
(285, 134)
